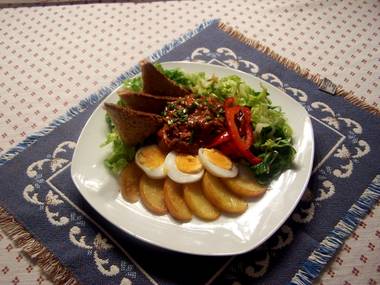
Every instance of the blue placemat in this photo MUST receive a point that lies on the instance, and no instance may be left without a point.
(36, 188)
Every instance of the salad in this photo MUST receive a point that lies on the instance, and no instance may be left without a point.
(272, 135)
(186, 143)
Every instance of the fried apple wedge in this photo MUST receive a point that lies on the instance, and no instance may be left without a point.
(245, 184)
(219, 195)
(197, 202)
(129, 180)
(152, 194)
(173, 196)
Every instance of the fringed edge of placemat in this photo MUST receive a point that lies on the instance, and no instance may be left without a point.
(22, 238)
(330, 244)
(35, 250)
(304, 72)
(100, 94)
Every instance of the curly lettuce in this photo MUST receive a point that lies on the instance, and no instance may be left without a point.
(134, 84)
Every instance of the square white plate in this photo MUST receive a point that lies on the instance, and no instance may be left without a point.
(225, 236)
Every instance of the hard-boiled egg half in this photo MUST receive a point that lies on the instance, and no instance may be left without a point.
(183, 168)
(151, 160)
(217, 163)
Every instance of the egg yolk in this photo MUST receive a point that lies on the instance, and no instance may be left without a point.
(188, 163)
(218, 158)
(151, 157)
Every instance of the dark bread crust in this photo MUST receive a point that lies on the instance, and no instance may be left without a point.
(145, 102)
(140, 118)
(158, 84)
(133, 126)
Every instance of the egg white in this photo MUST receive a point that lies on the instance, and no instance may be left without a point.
(178, 176)
(215, 169)
(154, 173)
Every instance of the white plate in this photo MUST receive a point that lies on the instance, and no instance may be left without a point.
(225, 236)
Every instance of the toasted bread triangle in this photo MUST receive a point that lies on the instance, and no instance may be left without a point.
(156, 83)
(133, 126)
(145, 102)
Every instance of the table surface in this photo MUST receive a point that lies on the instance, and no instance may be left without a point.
(55, 55)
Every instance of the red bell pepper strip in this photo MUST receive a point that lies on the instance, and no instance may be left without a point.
(229, 149)
(222, 138)
(250, 157)
(246, 140)
(240, 140)
(229, 102)
(247, 126)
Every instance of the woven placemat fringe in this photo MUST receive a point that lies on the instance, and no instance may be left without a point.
(304, 72)
(33, 248)
(17, 233)
(331, 243)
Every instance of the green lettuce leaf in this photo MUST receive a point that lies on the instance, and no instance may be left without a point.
(121, 154)
(134, 84)
(273, 135)
(276, 150)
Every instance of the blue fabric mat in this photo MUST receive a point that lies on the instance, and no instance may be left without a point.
(38, 191)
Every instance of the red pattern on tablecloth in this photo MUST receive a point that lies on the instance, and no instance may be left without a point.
(15, 268)
(358, 261)
(54, 56)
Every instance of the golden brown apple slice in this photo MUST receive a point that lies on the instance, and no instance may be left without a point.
(198, 203)
(245, 184)
(174, 201)
(152, 194)
(129, 180)
(218, 194)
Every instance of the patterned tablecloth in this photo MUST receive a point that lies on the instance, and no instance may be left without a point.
(54, 56)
